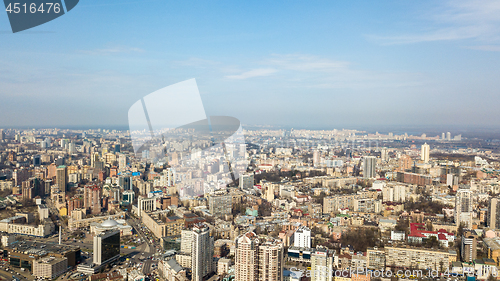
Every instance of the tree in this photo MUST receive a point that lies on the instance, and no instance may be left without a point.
(361, 238)
(460, 230)
(265, 209)
(429, 226)
(403, 225)
(26, 202)
(320, 197)
(431, 242)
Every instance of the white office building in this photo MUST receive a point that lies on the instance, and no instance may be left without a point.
(302, 237)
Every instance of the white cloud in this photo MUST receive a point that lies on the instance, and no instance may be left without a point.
(253, 73)
(197, 62)
(113, 50)
(456, 20)
(491, 48)
(300, 62)
(315, 72)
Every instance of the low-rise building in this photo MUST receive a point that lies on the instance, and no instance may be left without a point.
(49, 267)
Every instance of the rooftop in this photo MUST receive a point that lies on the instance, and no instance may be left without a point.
(40, 248)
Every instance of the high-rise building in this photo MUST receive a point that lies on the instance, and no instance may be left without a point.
(106, 246)
(202, 252)
(316, 158)
(2, 135)
(442, 136)
(463, 207)
(394, 193)
(220, 203)
(20, 175)
(270, 259)
(32, 187)
(246, 181)
(64, 142)
(348, 153)
(62, 178)
(369, 163)
(187, 241)
(384, 154)
(451, 179)
(92, 198)
(73, 204)
(94, 158)
(258, 258)
(246, 258)
(469, 246)
(122, 162)
(448, 136)
(243, 150)
(37, 160)
(494, 213)
(302, 237)
(405, 163)
(322, 264)
(424, 155)
(71, 148)
(174, 159)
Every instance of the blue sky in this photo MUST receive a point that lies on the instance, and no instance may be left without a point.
(330, 64)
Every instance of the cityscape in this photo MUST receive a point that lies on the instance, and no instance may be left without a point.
(156, 140)
(310, 205)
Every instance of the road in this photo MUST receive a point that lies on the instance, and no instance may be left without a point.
(142, 253)
(150, 249)
(22, 275)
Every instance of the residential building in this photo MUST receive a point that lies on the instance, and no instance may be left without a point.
(202, 252)
(494, 213)
(220, 203)
(469, 246)
(302, 237)
(424, 154)
(463, 207)
(258, 258)
(369, 163)
(322, 264)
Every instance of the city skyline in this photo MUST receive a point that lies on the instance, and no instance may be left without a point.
(327, 65)
(249, 140)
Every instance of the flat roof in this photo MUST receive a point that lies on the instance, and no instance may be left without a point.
(40, 248)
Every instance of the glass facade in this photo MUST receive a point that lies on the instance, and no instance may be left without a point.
(15, 262)
(110, 247)
(26, 264)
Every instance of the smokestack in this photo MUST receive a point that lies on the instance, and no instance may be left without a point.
(59, 235)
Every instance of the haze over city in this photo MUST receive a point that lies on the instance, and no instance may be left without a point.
(327, 65)
(249, 140)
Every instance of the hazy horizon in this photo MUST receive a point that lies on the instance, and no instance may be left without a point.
(293, 64)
